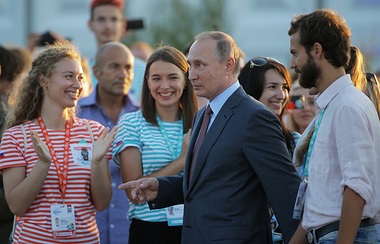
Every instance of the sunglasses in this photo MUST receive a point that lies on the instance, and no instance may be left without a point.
(372, 78)
(258, 62)
(296, 102)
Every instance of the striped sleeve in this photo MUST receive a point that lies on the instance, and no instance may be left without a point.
(128, 134)
(12, 149)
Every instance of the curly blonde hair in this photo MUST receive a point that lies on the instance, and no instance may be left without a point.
(26, 98)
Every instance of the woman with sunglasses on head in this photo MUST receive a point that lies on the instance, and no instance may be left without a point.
(268, 81)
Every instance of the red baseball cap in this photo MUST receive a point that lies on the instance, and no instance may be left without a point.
(117, 3)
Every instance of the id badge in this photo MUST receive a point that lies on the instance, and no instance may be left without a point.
(63, 221)
(300, 200)
(82, 154)
(174, 214)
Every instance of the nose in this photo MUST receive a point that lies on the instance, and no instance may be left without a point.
(307, 106)
(282, 93)
(78, 82)
(192, 75)
(292, 63)
(125, 72)
(165, 83)
(108, 23)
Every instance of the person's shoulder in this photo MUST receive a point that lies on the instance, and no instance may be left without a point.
(132, 116)
(250, 108)
(88, 101)
(130, 99)
(13, 130)
(17, 131)
(251, 104)
(84, 123)
(28, 124)
(353, 97)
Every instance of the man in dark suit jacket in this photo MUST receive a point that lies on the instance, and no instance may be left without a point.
(242, 165)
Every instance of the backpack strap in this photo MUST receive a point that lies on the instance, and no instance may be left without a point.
(89, 130)
(24, 134)
(15, 222)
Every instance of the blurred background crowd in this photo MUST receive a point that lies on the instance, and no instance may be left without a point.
(258, 26)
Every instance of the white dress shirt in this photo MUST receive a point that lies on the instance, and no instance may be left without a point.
(345, 154)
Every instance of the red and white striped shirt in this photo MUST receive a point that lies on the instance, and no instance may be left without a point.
(35, 225)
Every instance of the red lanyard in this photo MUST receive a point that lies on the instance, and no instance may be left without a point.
(61, 170)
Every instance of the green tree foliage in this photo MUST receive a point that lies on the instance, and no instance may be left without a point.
(176, 22)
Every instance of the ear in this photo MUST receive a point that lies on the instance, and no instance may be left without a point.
(96, 71)
(90, 25)
(43, 81)
(230, 64)
(317, 50)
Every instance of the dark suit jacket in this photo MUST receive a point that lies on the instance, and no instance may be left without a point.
(243, 164)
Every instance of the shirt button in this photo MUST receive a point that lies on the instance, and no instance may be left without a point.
(113, 184)
(112, 226)
(112, 205)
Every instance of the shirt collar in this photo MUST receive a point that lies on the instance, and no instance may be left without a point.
(324, 98)
(91, 99)
(217, 103)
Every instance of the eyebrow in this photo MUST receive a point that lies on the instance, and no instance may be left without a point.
(72, 72)
(276, 83)
(195, 61)
(171, 74)
(68, 71)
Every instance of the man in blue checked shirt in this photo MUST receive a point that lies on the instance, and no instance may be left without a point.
(106, 104)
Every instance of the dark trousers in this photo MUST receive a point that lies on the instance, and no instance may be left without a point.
(6, 216)
(5, 230)
(143, 232)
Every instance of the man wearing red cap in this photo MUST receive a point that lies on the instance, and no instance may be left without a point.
(108, 24)
(107, 20)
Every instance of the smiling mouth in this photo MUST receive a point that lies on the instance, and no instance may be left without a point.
(73, 95)
(277, 103)
(166, 94)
